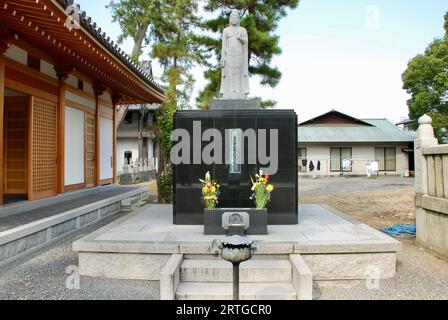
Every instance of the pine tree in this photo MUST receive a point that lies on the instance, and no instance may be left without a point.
(135, 18)
(167, 27)
(261, 19)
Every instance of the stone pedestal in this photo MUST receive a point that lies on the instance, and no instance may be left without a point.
(257, 221)
(222, 104)
(236, 184)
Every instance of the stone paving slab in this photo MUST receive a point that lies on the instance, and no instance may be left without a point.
(321, 230)
(63, 205)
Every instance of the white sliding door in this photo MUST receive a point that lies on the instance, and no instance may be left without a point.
(74, 146)
(106, 149)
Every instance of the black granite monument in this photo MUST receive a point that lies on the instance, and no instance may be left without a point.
(235, 180)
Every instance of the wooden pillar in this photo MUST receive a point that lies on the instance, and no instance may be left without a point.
(62, 73)
(99, 90)
(115, 100)
(6, 38)
(2, 112)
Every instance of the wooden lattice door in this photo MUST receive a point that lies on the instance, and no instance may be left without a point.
(90, 156)
(43, 149)
(16, 145)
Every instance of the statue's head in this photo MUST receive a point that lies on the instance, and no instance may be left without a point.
(234, 18)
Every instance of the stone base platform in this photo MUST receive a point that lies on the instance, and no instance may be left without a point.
(334, 246)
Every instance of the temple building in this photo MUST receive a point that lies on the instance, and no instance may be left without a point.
(64, 88)
(336, 144)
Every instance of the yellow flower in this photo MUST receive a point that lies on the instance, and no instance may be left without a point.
(204, 190)
(270, 188)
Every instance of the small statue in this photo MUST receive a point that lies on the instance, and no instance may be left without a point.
(235, 60)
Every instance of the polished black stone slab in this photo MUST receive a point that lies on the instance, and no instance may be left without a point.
(236, 187)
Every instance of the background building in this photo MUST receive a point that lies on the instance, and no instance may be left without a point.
(136, 138)
(407, 124)
(336, 144)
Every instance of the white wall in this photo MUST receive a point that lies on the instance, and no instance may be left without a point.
(72, 80)
(361, 154)
(17, 54)
(74, 146)
(106, 149)
(126, 144)
(48, 69)
(81, 100)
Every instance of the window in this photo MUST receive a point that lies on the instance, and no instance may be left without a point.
(387, 158)
(80, 84)
(33, 63)
(128, 118)
(303, 162)
(341, 159)
(127, 157)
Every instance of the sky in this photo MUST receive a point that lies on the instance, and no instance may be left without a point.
(347, 55)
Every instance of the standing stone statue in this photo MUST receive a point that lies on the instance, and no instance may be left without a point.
(234, 61)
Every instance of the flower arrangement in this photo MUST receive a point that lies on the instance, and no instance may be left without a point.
(210, 192)
(261, 190)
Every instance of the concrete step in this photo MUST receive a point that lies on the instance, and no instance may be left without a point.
(224, 291)
(256, 270)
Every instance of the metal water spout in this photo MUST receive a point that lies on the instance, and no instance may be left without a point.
(235, 249)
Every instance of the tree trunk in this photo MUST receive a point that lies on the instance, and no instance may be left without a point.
(161, 169)
(141, 33)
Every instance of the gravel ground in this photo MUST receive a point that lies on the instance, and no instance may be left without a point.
(380, 203)
(420, 276)
(41, 276)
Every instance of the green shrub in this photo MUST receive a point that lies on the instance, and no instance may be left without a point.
(165, 186)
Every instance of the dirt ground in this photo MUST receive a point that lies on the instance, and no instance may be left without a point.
(151, 185)
(380, 202)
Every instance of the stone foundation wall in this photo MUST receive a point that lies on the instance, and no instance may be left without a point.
(133, 178)
(37, 239)
(325, 267)
(35, 236)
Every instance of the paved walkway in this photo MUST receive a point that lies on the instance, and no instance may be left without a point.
(86, 197)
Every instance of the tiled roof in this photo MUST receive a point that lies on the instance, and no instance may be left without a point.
(154, 106)
(382, 130)
(91, 27)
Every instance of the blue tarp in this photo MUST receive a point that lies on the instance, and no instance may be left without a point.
(401, 231)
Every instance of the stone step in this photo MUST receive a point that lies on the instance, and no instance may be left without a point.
(224, 291)
(256, 270)
(130, 204)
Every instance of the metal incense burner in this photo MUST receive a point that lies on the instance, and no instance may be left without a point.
(235, 248)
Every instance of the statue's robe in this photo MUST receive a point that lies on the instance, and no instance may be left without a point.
(235, 73)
